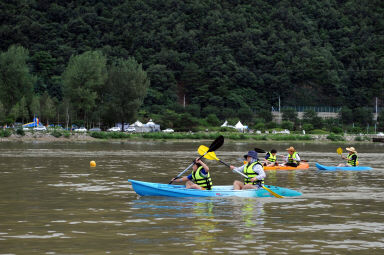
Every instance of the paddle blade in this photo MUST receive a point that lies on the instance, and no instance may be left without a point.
(258, 150)
(216, 144)
(339, 150)
(202, 150)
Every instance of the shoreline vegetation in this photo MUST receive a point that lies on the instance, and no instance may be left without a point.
(67, 136)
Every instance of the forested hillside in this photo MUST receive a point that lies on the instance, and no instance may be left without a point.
(227, 58)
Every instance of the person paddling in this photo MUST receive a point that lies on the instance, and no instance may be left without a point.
(253, 169)
(199, 178)
(293, 158)
(270, 158)
(351, 157)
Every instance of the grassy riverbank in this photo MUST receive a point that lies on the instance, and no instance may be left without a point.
(55, 135)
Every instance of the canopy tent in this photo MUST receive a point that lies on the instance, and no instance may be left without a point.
(240, 126)
(137, 124)
(225, 124)
(150, 123)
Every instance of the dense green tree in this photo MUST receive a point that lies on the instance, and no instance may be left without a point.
(2, 113)
(289, 114)
(48, 108)
(363, 116)
(346, 115)
(83, 80)
(266, 115)
(213, 120)
(20, 110)
(15, 79)
(127, 86)
(233, 56)
(35, 106)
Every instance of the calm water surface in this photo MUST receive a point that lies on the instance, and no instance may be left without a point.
(52, 202)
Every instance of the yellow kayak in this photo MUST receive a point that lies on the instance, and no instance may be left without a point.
(302, 166)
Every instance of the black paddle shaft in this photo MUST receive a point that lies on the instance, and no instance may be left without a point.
(258, 150)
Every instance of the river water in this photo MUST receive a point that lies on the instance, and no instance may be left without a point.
(52, 202)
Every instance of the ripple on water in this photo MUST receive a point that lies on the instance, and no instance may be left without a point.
(30, 236)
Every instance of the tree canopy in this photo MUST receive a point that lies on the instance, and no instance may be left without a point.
(228, 58)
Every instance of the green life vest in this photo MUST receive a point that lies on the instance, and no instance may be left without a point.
(352, 162)
(271, 158)
(204, 182)
(291, 158)
(248, 170)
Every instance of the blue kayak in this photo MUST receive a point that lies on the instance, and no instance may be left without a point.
(343, 168)
(169, 190)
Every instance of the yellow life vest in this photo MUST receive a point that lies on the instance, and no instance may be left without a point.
(291, 158)
(248, 170)
(351, 161)
(204, 182)
(271, 158)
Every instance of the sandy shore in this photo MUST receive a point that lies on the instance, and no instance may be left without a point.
(45, 137)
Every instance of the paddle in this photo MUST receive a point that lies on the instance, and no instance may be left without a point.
(339, 151)
(217, 143)
(258, 150)
(203, 150)
(210, 155)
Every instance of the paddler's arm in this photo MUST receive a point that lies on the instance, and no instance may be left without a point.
(203, 165)
(237, 169)
(182, 179)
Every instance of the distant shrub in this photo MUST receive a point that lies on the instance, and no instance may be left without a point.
(334, 137)
(118, 135)
(271, 125)
(358, 138)
(307, 127)
(279, 137)
(318, 132)
(259, 126)
(238, 136)
(20, 131)
(362, 138)
(336, 130)
(66, 134)
(354, 130)
(227, 129)
(213, 120)
(56, 133)
(5, 133)
(260, 137)
(287, 125)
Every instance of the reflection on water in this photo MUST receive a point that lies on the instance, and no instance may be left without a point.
(52, 202)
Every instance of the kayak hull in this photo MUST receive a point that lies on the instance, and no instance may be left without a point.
(169, 190)
(302, 166)
(343, 168)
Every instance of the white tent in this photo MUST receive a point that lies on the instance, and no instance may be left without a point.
(225, 124)
(239, 126)
(137, 124)
(150, 123)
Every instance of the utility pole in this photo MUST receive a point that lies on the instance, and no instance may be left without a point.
(376, 116)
